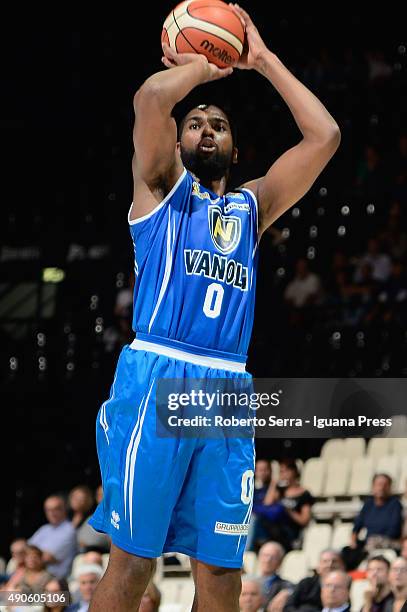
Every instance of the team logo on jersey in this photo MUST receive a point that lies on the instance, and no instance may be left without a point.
(202, 195)
(225, 230)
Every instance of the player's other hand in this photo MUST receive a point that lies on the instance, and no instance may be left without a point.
(254, 47)
(171, 58)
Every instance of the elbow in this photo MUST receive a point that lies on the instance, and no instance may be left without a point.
(333, 136)
(149, 91)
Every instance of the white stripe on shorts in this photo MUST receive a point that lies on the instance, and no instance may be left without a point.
(203, 360)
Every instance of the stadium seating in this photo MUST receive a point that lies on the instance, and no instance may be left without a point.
(357, 590)
(332, 449)
(377, 447)
(313, 475)
(341, 535)
(337, 477)
(354, 447)
(294, 566)
(361, 476)
(317, 537)
(177, 591)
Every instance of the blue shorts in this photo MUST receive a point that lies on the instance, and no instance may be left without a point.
(188, 495)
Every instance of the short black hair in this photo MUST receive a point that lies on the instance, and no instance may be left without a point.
(226, 110)
(380, 558)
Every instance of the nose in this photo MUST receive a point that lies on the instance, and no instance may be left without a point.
(208, 130)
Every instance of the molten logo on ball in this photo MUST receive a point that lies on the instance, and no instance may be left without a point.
(220, 54)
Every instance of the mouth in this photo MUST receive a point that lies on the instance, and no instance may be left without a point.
(207, 145)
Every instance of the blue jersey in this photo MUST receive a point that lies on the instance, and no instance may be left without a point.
(195, 265)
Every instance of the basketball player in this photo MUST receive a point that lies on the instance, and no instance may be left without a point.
(196, 251)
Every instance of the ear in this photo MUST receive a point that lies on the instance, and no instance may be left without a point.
(178, 147)
(235, 155)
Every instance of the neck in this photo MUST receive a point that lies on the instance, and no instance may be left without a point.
(218, 186)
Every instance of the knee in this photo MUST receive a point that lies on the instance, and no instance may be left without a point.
(230, 578)
(130, 568)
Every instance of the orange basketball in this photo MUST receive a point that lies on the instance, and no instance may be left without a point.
(210, 27)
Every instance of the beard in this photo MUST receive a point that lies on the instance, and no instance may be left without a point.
(206, 167)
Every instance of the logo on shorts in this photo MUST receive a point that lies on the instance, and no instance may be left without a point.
(225, 230)
(232, 528)
(115, 519)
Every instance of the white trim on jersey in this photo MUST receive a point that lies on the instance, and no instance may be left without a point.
(203, 360)
(167, 271)
(160, 205)
(257, 215)
(128, 454)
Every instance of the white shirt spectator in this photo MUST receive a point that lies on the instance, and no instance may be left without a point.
(300, 289)
(60, 541)
(380, 264)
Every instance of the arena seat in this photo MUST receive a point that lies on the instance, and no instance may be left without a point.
(250, 562)
(177, 591)
(357, 589)
(361, 476)
(294, 566)
(377, 447)
(337, 477)
(398, 446)
(78, 560)
(332, 449)
(354, 447)
(317, 537)
(341, 534)
(398, 427)
(401, 486)
(313, 475)
(388, 553)
(389, 464)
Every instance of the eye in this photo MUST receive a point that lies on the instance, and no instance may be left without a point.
(194, 126)
(220, 127)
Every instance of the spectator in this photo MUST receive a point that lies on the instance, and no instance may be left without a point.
(394, 239)
(358, 297)
(57, 539)
(369, 181)
(263, 521)
(380, 263)
(55, 587)
(305, 288)
(296, 500)
(306, 596)
(16, 566)
(335, 588)
(271, 555)
(251, 598)
(88, 576)
(93, 557)
(398, 584)
(151, 599)
(34, 577)
(81, 503)
(391, 301)
(378, 594)
(381, 517)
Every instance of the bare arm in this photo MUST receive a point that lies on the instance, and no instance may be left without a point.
(301, 517)
(156, 163)
(294, 172)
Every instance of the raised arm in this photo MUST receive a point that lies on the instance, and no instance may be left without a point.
(292, 174)
(156, 162)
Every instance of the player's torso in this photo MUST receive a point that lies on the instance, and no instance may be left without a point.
(195, 262)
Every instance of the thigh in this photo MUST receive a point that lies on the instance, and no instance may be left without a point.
(211, 519)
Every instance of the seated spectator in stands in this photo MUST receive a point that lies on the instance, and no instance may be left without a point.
(297, 503)
(305, 288)
(335, 596)
(90, 539)
(15, 566)
(34, 577)
(358, 296)
(80, 503)
(392, 297)
(378, 595)
(251, 597)
(151, 599)
(93, 557)
(381, 517)
(57, 539)
(379, 262)
(270, 557)
(263, 525)
(306, 596)
(88, 576)
(369, 181)
(394, 239)
(398, 584)
(54, 587)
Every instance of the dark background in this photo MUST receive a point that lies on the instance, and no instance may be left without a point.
(66, 134)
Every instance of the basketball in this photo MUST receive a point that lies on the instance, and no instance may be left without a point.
(209, 27)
